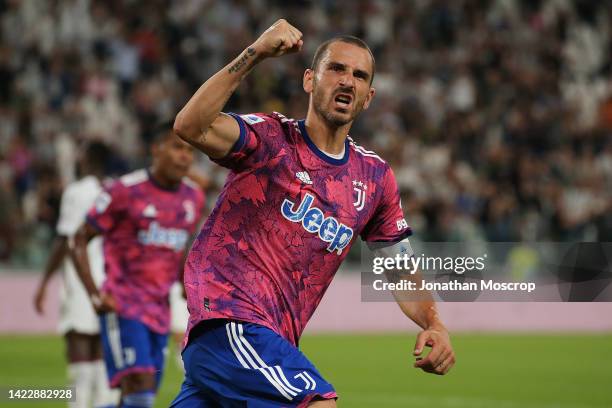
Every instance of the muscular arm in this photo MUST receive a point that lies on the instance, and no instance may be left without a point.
(422, 311)
(59, 250)
(420, 307)
(78, 253)
(201, 122)
(80, 258)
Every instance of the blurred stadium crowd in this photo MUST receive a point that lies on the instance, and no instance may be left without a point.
(496, 115)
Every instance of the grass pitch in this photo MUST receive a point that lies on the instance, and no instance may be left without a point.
(499, 371)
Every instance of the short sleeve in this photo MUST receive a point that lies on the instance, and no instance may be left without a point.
(109, 207)
(251, 147)
(388, 223)
(71, 217)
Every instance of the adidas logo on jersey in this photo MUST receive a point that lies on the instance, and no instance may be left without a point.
(304, 177)
(150, 211)
(314, 221)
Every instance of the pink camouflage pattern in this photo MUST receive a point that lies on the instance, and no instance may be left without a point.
(145, 229)
(284, 221)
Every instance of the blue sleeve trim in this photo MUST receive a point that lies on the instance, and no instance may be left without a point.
(242, 138)
(91, 221)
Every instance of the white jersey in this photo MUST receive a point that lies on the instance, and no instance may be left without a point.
(77, 313)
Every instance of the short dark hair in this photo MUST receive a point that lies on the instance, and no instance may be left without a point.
(161, 131)
(349, 39)
(97, 156)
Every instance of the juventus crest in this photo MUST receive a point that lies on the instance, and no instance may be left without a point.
(360, 189)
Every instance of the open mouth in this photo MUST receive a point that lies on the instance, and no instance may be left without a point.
(343, 100)
(181, 168)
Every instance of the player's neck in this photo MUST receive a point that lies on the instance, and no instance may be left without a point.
(327, 138)
(158, 178)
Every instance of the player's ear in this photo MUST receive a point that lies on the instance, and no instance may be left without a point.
(369, 97)
(308, 80)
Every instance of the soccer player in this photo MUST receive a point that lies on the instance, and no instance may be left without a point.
(78, 321)
(146, 218)
(298, 195)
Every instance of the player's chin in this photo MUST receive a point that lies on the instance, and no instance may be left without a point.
(340, 117)
(178, 172)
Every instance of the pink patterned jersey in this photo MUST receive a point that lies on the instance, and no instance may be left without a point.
(285, 220)
(145, 229)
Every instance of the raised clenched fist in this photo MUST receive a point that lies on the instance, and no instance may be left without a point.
(281, 38)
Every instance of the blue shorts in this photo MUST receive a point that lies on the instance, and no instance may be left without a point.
(235, 364)
(129, 346)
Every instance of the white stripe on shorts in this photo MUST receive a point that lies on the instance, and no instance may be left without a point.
(231, 342)
(114, 339)
(286, 385)
(242, 355)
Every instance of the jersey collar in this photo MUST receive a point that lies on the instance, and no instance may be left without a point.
(156, 183)
(318, 152)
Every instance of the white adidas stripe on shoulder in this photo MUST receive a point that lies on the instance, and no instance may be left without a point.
(191, 183)
(133, 178)
(360, 147)
(369, 155)
(282, 117)
(363, 151)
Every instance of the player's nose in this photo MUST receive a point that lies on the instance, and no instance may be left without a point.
(347, 81)
(185, 157)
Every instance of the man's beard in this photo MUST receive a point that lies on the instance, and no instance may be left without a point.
(329, 116)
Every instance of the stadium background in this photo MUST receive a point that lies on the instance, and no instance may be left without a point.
(495, 115)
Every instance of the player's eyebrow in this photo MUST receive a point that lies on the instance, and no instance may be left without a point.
(336, 65)
(359, 73)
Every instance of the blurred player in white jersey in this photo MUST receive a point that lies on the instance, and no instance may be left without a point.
(78, 321)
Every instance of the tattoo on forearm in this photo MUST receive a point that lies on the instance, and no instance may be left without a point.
(238, 65)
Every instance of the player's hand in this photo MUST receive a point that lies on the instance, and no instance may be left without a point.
(103, 303)
(39, 300)
(281, 38)
(441, 358)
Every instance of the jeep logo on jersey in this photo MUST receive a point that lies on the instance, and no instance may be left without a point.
(157, 235)
(314, 221)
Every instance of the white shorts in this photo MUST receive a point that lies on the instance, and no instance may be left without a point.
(179, 315)
(76, 313)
